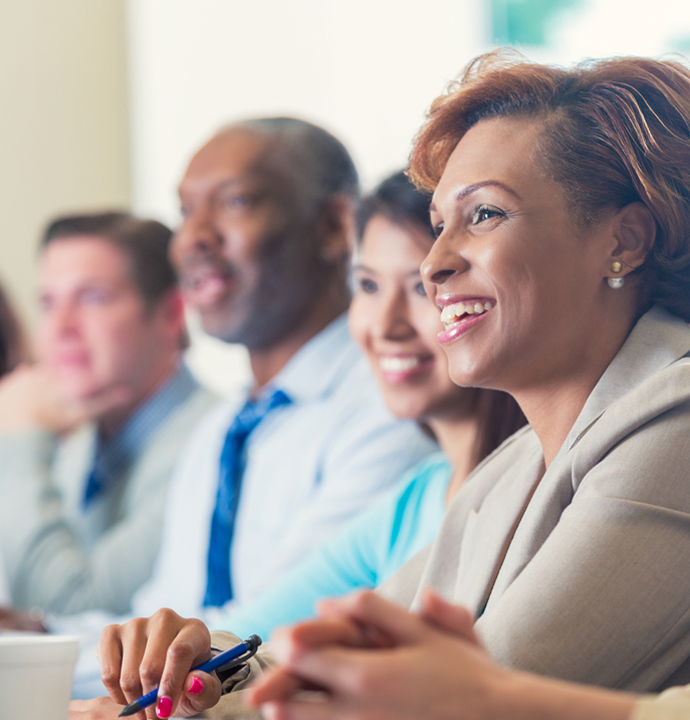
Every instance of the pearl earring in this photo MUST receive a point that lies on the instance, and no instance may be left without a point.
(617, 282)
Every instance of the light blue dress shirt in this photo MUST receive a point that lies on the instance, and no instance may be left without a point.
(363, 554)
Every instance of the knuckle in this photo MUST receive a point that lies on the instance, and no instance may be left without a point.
(364, 683)
(181, 650)
(165, 616)
(150, 673)
(110, 679)
(130, 682)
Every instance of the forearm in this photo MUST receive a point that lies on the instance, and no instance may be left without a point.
(523, 696)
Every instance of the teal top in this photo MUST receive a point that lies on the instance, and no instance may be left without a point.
(366, 552)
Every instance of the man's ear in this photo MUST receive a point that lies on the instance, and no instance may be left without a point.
(634, 232)
(170, 308)
(337, 227)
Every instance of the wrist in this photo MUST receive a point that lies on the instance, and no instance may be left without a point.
(523, 696)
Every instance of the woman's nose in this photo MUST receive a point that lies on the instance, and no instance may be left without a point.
(442, 263)
(393, 318)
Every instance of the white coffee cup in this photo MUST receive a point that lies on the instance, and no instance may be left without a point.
(36, 676)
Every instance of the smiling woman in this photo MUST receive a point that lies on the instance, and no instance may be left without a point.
(562, 270)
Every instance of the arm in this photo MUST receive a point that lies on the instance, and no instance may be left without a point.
(47, 562)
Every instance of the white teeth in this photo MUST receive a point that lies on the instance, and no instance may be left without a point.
(451, 312)
(393, 363)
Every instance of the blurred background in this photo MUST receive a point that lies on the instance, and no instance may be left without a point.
(104, 101)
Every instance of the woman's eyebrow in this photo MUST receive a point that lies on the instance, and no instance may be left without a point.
(462, 194)
(486, 183)
(359, 267)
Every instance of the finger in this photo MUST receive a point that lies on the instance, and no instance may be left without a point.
(201, 691)
(319, 633)
(448, 617)
(301, 710)
(190, 647)
(277, 685)
(391, 623)
(109, 655)
(338, 671)
(133, 637)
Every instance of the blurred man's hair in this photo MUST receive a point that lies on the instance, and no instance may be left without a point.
(144, 242)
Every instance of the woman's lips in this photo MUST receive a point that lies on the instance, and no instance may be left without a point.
(399, 368)
(449, 313)
(452, 332)
(460, 316)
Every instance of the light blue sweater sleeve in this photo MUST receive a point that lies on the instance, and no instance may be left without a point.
(367, 551)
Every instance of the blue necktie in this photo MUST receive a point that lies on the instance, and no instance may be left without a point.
(219, 584)
(94, 487)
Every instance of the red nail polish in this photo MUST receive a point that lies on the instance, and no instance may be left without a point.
(164, 707)
(197, 687)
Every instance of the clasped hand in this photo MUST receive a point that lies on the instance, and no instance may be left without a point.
(367, 658)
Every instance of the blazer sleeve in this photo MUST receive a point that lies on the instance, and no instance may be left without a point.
(605, 598)
(674, 704)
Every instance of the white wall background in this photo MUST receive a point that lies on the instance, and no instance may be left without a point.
(63, 123)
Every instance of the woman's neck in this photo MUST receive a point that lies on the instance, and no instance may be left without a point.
(552, 405)
(457, 438)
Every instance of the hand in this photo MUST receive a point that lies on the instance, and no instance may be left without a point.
(159, 651)
(31, 397)
(97, 709)
(13, 619)
(430, 666)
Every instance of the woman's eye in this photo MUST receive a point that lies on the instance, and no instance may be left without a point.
(486, 212)
(367, 286)
(419, 289)
(438, 229)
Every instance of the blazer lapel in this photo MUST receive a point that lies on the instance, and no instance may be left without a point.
(489, 529)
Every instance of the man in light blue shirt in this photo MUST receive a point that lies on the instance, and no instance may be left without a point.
(268, 216)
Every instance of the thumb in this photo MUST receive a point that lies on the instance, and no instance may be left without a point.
(450, 618)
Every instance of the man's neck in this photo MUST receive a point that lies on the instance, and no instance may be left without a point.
(112, 421)
(268, 362)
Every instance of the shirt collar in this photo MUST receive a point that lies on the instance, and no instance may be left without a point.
(318, 366)
(117, 452)
(657, 340)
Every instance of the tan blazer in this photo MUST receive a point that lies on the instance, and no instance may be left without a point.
(595, 584)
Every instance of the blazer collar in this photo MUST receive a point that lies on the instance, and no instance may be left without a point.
(657, 340)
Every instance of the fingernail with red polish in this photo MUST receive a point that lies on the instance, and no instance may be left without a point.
(164, 707)
(197, 687)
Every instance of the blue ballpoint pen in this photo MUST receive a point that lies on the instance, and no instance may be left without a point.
(248, 647)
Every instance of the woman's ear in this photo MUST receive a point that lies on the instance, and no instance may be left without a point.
(634, 232)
